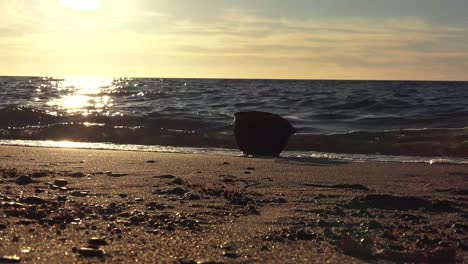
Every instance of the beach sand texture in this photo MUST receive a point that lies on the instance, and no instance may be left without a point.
(90, 206)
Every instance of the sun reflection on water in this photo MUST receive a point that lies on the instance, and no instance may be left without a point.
(84, 95)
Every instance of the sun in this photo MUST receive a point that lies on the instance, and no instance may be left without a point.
(82, 5)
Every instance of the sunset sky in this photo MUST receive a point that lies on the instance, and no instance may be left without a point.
(305, 39)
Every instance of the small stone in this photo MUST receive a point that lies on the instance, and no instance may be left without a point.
(96, 242)
(61, 182)
(150, 161)
(303, 234)
(177, 191)
(79, 194)
(356, 249)
(139, 199)
(39, 190)
(26, 250)
(231, 254)
(116, 175)
(228, 246)
(177, 181)
(280, 200)
(191, 196)
(33, 200)
(228, 180)
(90, 252)
(24, 180)
(12, 204)
(165, 176)
(10, 259)
(77, 175)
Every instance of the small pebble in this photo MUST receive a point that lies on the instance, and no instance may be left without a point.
(117, 175)
(24, 180)
(10, 259)
(231, 254)
(39, 190)
(77, 175)
(177, 191)
(192, 196)
(79, 194)
(90, 252)
(61, 182)
(165, 176)
(33, 200)
(177, 181)
(96, 242)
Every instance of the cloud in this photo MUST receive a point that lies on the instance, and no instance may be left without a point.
(316, 47)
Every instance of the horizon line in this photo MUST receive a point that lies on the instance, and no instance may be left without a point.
(233, 78)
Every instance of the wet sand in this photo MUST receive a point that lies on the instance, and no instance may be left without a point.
(89, 206)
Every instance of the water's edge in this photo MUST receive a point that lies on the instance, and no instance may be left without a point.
(301, 156)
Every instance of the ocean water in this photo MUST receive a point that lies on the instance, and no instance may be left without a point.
(393, 119)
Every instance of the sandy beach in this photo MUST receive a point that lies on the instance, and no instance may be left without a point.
(93, 206)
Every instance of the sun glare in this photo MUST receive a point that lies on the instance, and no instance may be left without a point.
(84, 95)
(82, 5)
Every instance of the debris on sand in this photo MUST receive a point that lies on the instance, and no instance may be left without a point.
(359, 187)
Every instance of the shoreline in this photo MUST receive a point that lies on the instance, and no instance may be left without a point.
(183, 208)
(310, 156)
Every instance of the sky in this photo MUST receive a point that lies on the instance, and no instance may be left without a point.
(295, 39)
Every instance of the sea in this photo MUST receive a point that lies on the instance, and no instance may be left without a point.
(402, 121)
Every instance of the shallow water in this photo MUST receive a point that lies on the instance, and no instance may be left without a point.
(199, 112)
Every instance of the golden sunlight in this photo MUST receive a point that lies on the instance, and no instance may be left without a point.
(84, 95)
(82, 5)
